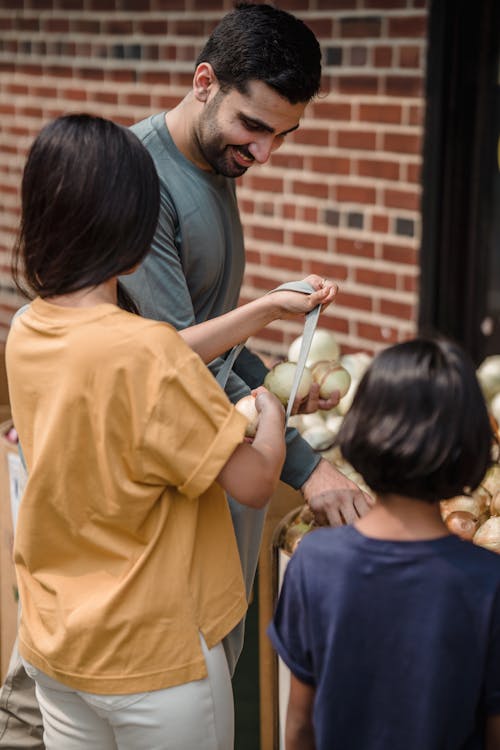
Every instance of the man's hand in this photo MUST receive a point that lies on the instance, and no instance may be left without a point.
(312, 402)
(333, 498)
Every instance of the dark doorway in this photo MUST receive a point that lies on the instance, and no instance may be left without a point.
(460, 256)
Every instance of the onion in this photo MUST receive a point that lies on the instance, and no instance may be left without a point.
(320, 438)
(356, 364)
(495, 407)
(462, 524)
(491, 480)
(330, 376)
(475, 506)
(246, 406)
(488, 374)
(323, 346)
(495, 504)
(279, 381)
(488, 534)
(294, 534)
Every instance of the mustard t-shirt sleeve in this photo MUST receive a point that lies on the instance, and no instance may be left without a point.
(193, 428)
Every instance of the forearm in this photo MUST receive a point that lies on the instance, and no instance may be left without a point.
(493, 732)
(299, 731)
(213, 337)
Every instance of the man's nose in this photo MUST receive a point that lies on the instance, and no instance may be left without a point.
(262, 148)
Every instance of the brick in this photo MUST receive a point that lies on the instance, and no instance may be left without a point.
(27, 24)
(138, 100)
(414, 173)
(386, 334)
(311, 241)
(402, 199)
(407, 26)
(356, 194)
(189, 28)
(330, 164)
(139, 5)
(399, 254)
(266, 184)
(289, 211)
(400, 310)
(117, 26)
(416, 114)
(84, 26)
(405, 143)
(45, 92)
(382, 57)
(321, 27)
(356, 84)
(308, 213)
(287, 161)
(267, 234)
(360, 27)
(56, 25)
(357, 248)
(356, 139)
(316, 189)
(157, 76)
(354, 301)
(358, 56)
(330, 270)
(283, 261)
(372, 277)
(168, 4)
(409, 57)
(332, 111)
(379, 223)
(405, 227)
(378, 168)
(310, 137)
(385, 4)
(404, 85)
(391, 113)
(74, 94)
(90, 74)
(106, 97)
(152, 27)
(338, 4)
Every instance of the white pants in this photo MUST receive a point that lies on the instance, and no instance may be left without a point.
(198, 715)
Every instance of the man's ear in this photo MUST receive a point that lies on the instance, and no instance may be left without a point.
(204, 81)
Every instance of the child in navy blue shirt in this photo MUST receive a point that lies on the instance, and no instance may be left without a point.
(391, 627)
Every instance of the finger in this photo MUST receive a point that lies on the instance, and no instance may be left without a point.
(329, 403)
(348, 512)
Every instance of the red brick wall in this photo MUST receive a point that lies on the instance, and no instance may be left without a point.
(340, 198)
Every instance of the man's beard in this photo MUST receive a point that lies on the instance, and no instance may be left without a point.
(210, 143)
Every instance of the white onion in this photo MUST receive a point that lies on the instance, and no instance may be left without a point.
(462, 523)
(246, 406)
(279, 380)
(319, 438)
(323, 346)
(488, 374)
(356, 364)
(331, 376)
(495, 407)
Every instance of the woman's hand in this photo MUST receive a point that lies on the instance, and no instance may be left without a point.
(296, 303)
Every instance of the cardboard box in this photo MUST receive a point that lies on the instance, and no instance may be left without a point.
(284, 500)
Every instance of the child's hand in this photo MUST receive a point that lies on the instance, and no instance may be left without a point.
(296, 303)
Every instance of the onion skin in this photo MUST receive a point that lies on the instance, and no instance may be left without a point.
(331, 377)
(323, 346)
(246, 406)
(279, 381)
(473, 505)
(463, 524)
(488, 534)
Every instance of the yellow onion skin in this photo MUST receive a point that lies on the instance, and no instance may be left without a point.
(488, 534)
(462, 523)
(473, 505)
(331, 376)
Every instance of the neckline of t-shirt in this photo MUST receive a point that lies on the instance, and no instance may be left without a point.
(165, 136)
(47, 309)
(378, 543)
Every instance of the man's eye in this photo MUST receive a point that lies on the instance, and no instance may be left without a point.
(251, 125)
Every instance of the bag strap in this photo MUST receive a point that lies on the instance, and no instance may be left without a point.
(309, 328)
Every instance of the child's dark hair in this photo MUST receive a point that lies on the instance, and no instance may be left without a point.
(90, 203)
(260, 42)
(418, 425)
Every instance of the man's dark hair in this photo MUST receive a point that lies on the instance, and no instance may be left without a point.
(260, 42)
(418, 425)
(90, 203)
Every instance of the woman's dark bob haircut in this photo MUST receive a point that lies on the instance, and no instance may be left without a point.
(418, 425)
(258, 42)
(90, 202)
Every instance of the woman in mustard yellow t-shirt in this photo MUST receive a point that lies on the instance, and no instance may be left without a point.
(128, 570)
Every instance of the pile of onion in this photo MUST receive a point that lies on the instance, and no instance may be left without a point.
(476, 517)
